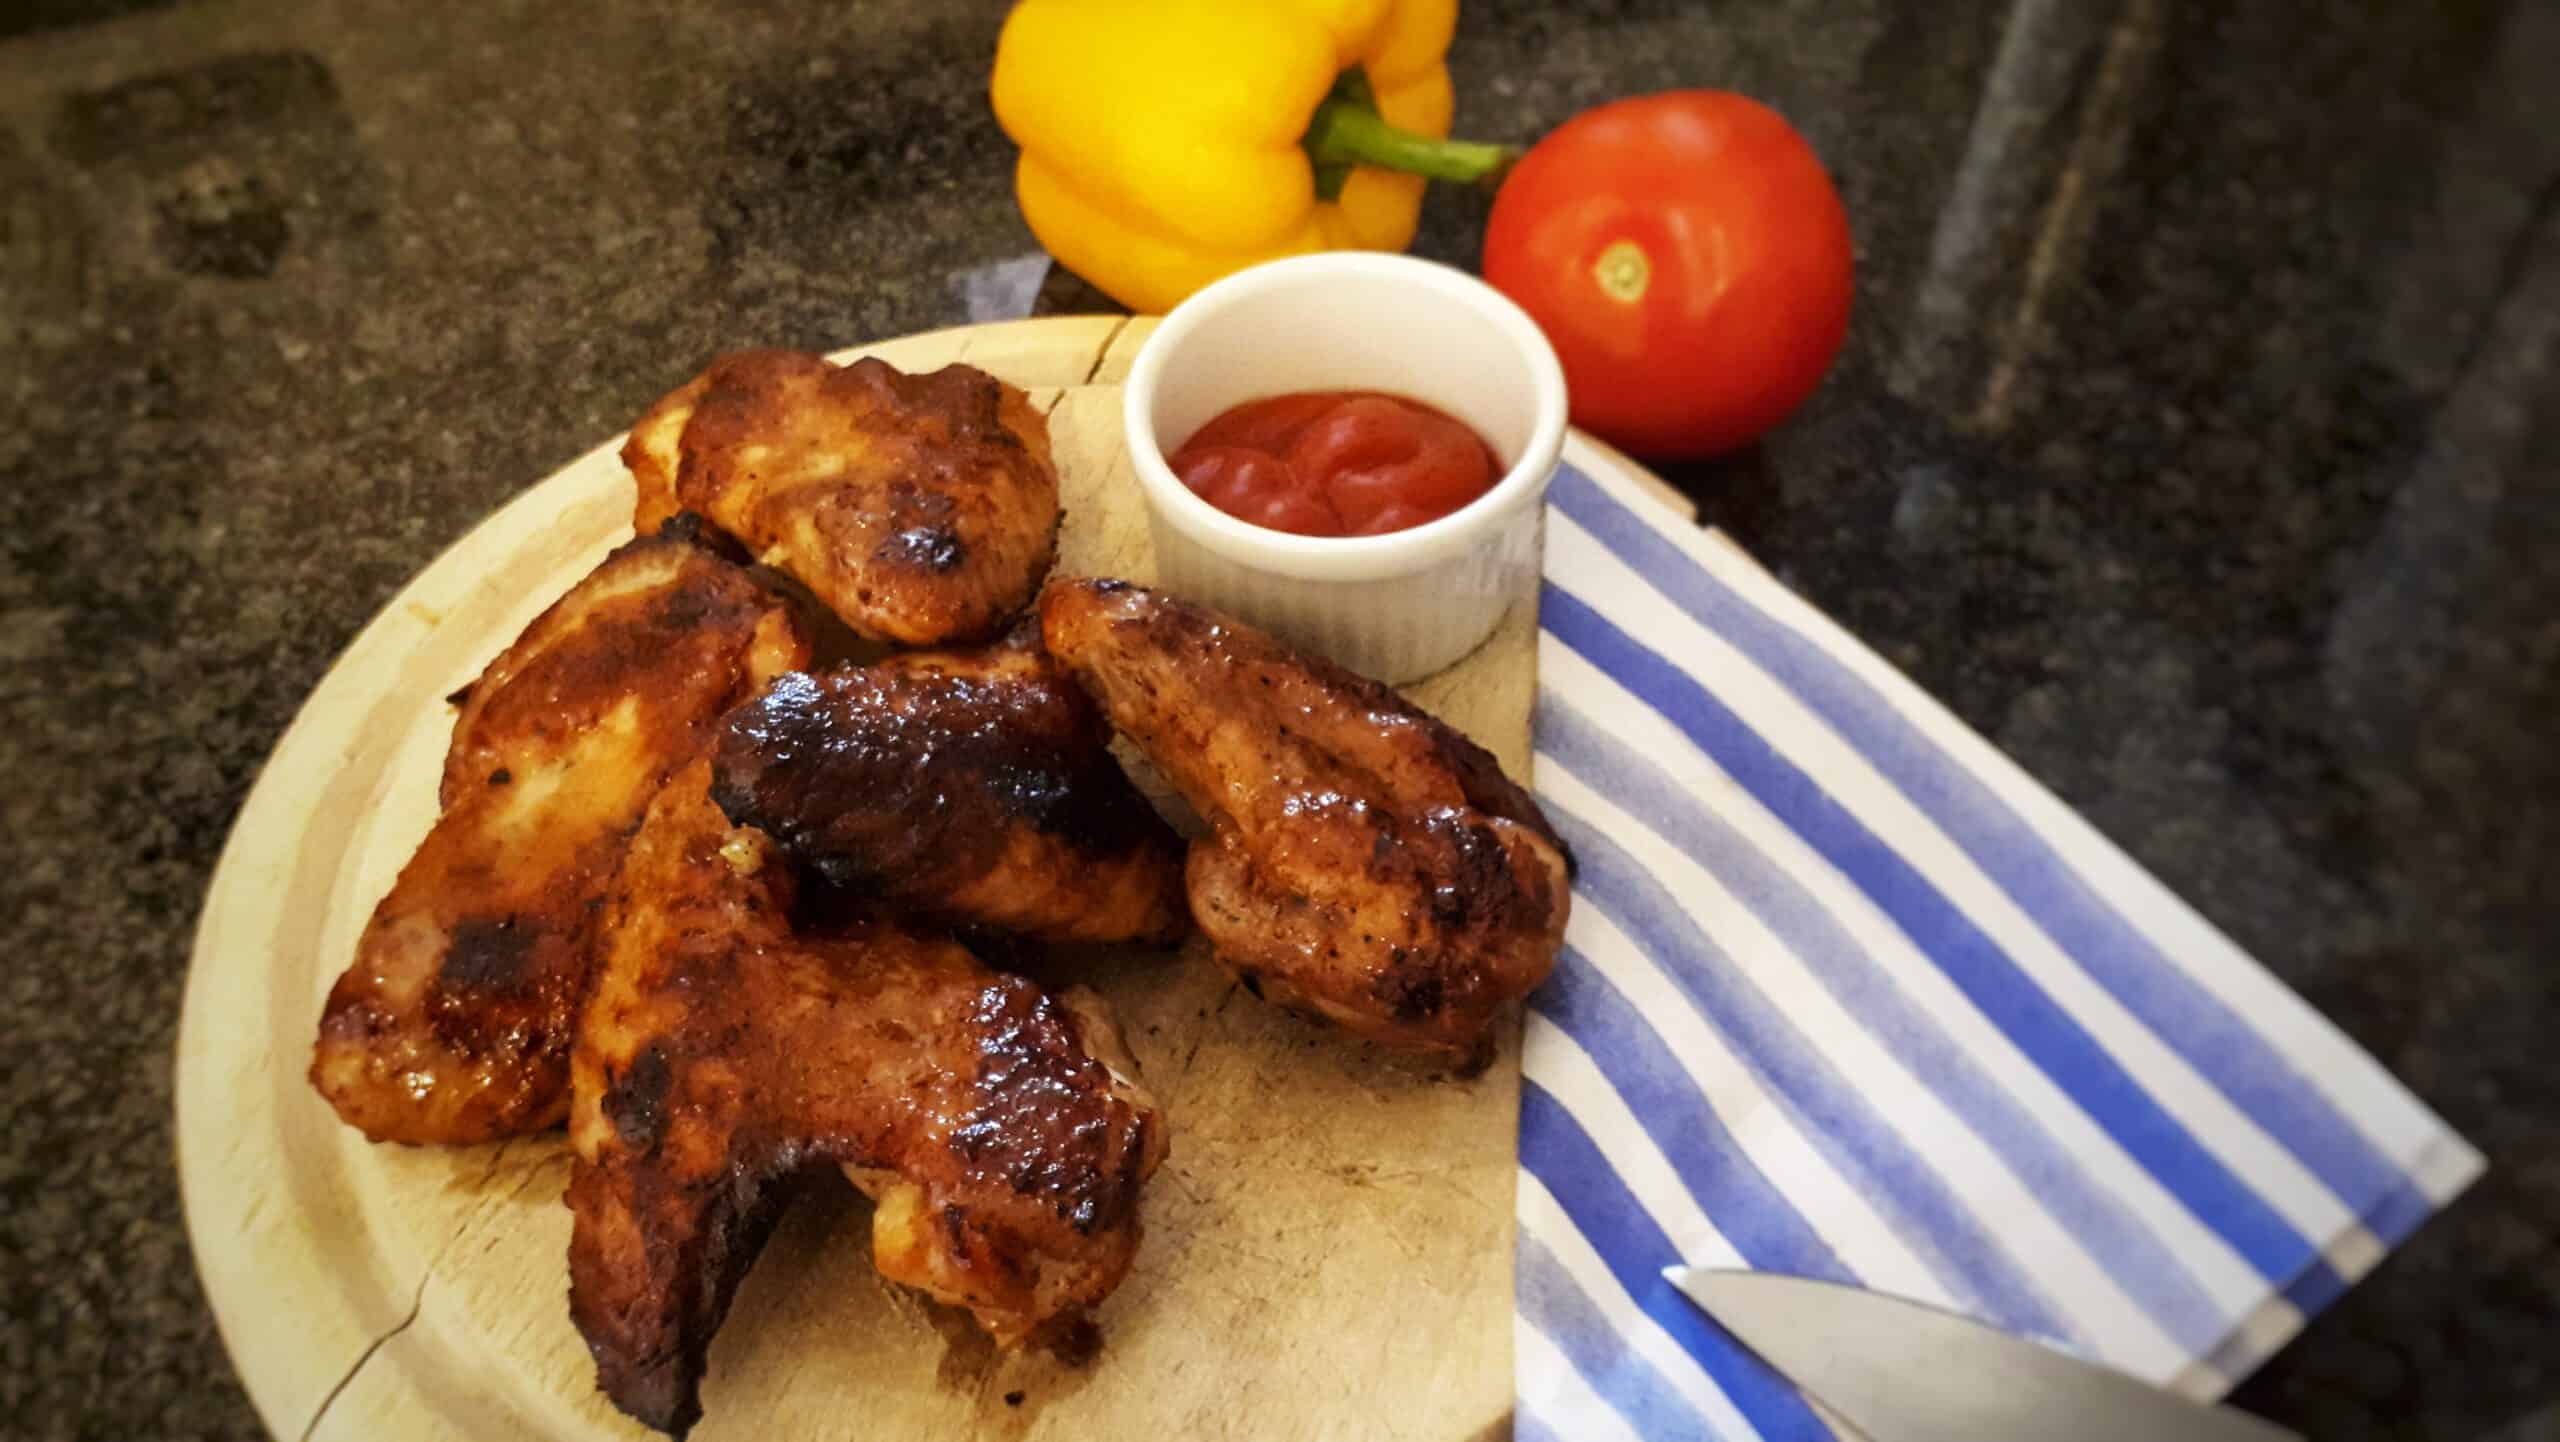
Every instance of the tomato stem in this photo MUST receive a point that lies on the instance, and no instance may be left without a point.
(1347, 131)
(1623, 271)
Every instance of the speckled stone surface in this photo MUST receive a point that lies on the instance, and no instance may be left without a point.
(2198, 441)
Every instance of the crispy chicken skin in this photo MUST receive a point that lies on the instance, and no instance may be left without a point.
(922, 509)
(976, 786)
(452, 1024)
(722, 1056)
(1366, 862)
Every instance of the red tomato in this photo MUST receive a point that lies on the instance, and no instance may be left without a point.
(1690, 261)
(1335, 463)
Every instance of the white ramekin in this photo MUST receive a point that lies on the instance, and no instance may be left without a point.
(1397, 606)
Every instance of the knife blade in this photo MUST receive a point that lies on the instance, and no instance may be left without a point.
(1904, 1371)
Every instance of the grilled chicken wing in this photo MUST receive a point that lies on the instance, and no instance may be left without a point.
(1366, 863)
(974, 785)
(922, 509)
(452, 1024)
(721, 1056)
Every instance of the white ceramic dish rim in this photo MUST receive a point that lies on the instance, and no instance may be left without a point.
(1346, 558)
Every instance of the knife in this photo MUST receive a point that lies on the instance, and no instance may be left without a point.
(1904, 1371)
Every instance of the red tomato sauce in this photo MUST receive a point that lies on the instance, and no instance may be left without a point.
(1336, 463)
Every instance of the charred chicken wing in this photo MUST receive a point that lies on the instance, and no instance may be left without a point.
(921, 508)
(1366, 862)
(974, 785)
(452, 1024)
(722, 1055)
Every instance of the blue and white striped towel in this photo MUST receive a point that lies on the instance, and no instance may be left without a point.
(1846, 994)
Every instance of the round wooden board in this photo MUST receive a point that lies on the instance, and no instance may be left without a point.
(1328, 1249)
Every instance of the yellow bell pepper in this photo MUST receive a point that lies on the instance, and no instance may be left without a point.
(1166, 143)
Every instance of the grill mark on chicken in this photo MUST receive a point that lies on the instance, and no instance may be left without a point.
(488, 954)
(635, 1103)
(936, 548)
(976, 786)
(1035, 1130)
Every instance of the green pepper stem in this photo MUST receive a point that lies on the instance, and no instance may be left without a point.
(1347, 132)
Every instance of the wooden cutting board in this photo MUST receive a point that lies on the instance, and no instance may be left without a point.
(1328, 1247)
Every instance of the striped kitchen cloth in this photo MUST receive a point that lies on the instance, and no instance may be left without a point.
(1846, 994)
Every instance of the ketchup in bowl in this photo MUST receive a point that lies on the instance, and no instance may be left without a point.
(1336, 463)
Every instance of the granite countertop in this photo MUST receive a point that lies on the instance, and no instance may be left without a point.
(2198, 440)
